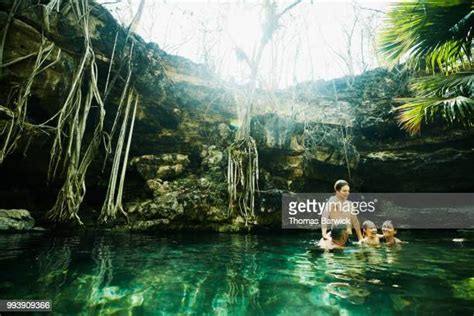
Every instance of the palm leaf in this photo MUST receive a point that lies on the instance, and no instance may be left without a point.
(458, 109)
(442, 85)
(429, 34)
(435, 36)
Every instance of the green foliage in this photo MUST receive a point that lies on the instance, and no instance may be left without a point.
(434, 37)
(448, 97)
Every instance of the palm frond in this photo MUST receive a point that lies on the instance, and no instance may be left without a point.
(435, 36)
(429, 34)
(442, 85)
(457, 109)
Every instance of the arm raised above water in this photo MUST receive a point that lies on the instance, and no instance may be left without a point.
(325, 215)
(356, 225)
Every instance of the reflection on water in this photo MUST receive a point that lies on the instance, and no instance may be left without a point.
(238, 274)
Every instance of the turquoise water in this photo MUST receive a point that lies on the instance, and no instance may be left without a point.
(224, 274)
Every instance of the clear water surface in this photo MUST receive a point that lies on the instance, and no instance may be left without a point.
(274, 274)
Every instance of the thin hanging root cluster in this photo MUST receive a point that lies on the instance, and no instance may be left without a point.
(242, 177)
(12, 131)
(346, 140)
(113, 199)
(73, 190)
(68, 154)
(73, 149)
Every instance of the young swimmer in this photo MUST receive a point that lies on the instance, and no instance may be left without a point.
(369, 231)
(389, 234)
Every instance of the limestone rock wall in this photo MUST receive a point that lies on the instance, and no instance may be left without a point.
(183, 111)
(349, 131)
(307, 136)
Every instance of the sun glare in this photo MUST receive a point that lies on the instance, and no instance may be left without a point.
(244, 28)
(311, 40)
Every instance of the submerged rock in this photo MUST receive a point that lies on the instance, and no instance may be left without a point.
(346, 291)
(464, 289)
(402, 303)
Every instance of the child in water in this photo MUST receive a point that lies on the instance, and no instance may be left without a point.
(369, 231)
(389, 233)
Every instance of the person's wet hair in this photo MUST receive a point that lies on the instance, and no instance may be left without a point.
(368, 225)
(339, 184)
(338, 231)
(387, 224)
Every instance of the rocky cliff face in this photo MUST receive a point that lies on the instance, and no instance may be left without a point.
(349, 131)
(312, 135)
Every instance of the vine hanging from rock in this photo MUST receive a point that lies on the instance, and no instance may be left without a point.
(79, 121)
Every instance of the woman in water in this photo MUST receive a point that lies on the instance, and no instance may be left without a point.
(340, 210)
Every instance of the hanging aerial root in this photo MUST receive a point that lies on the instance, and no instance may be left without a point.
(242, 166)
(113, 199)
(72, 152)
(72, 118)
(14, 128)
(242, 177)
